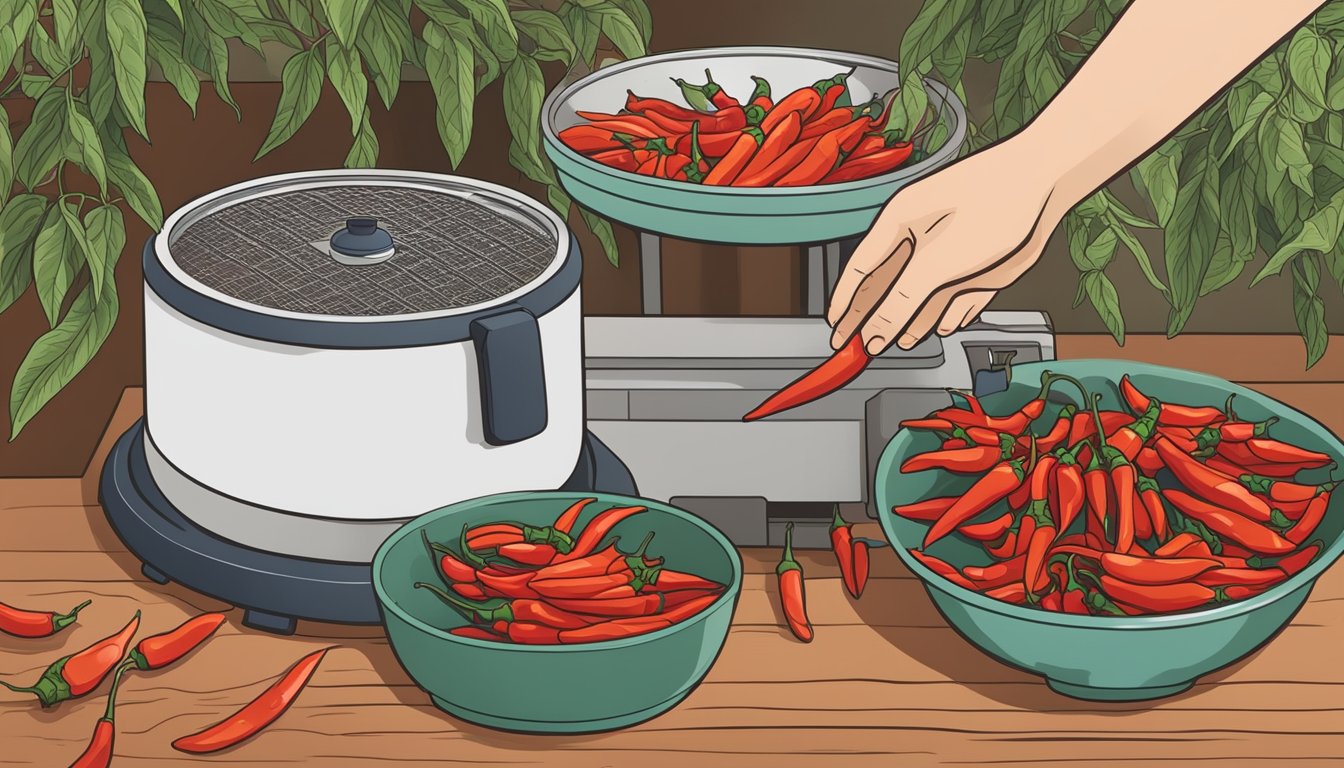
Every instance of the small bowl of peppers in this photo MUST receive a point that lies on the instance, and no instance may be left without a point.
(1120, 529)
(750, 145)
(556, 612)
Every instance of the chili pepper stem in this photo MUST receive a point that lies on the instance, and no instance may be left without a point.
(63, 620)
(487, 611)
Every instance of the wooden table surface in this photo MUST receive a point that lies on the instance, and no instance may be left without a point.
(885, 683)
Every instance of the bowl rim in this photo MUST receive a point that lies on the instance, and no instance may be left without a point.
(1326, 558)
(955, 112)
(730, 595)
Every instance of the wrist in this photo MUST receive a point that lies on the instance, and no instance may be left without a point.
(1045, 168)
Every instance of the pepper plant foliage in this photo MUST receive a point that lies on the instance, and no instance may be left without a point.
(1255, 180)
(83, 65)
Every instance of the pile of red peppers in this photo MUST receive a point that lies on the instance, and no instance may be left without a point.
(1158, 508)
(546, 586)
(810, 136)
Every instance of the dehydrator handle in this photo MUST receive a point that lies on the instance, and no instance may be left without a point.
(512, 375)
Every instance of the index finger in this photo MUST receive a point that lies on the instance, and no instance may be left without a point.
(872, 253)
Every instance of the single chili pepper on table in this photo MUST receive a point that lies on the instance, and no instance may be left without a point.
(261, 712)
(1170, 415)
(840, 369)
(792, 595)
(98, 754)
(72, 676)
(597, 530)
(1228, 524)
(842, 544)
(1216, 487)
(34, 624)
(158, 651)
(986, 492)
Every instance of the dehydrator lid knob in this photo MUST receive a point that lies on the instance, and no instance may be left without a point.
(362, 242)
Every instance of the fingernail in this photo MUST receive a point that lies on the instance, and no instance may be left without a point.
(907, 342)
(876, 345)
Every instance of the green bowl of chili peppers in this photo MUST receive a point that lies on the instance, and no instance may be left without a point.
(586, 687)
(1104, 649)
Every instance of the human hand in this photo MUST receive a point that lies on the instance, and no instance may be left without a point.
(944, 245)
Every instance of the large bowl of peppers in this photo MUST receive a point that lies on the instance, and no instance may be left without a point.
(747, 145)
(557, 612)
(1124, 567)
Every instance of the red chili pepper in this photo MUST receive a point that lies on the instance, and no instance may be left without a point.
(579, 588)
(470, 591)
(1171, 415)
(594, 138)
(1209, 484)
(1005, 549)
(1279, 491)
(831, 91)
(1159, 598)
(717, 96)
(1043, 531)
(1298, 560)
(160, 650)
(1271, 451)
(597, 530)
(1306, 525)
(34, 624)
(475, 633)
(1148, 461)
(1143, 521)
(842, 544)
(1178, 543)
(860, 566)
(843, 367)
(449, 564)
(1247, 577)
(613, 630)
(1229, 524)
(1232, 432)
(760, 95)
(925, 511)
(1085, 426)
(802, 102)
(997, 574)
(942, 568)
(1058, 433)
(792, 596)
(1155, 570)
(1070, 490)
(72, 676)
(98, 754)
(523, 610)
(639, 104)
(565, 522)
(1150, 497)
(673, 599)
(514, 585)
(992, 530)
(687, 609)
(1009, 593)
(528, 554)
(824, 156)
(634, 125)
(869, 164)
(663, 580)
(837, 117)
(731, 166)
(787, 161)
(639, 605)
(987, 491)
(973, 460)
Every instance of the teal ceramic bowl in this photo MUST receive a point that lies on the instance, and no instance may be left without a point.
(554, 689)
(1096, 657)
(741, 216)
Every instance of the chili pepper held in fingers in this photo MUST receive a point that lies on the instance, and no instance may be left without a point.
(158, 651)
(1229, 524)
(840, 369)
(597, 530)
(258, 714)
(72, 676)
(987, 491)
(842, 545)
(98, 754)
(33, 624)
(1208, 484)
(1171, 415)
(792, 594)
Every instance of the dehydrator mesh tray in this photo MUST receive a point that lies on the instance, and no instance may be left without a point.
(451, 252)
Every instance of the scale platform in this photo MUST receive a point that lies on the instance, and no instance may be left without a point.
(274, 590)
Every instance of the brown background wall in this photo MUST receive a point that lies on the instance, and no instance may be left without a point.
(189, 158)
